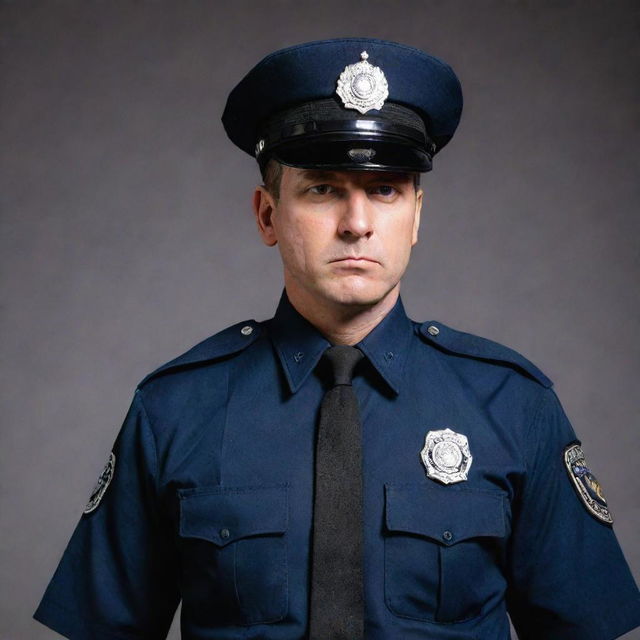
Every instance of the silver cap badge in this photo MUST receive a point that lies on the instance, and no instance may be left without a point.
(446, 456)
(362, 86)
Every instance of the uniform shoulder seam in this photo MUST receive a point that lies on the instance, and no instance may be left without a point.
(225, 343)
(469, 345)
(149, 427)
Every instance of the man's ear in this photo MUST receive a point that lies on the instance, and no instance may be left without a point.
(416, 217)
(263, 207)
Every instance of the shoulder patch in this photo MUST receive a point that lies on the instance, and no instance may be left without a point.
(586, 484)
(101, 485)
(467, 344)
(225, 343)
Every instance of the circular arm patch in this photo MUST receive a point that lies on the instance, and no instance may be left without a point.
(101, 485)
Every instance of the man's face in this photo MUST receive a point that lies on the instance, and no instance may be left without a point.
(345, 237)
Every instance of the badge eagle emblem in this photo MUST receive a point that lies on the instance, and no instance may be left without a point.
(446, 456)
(586, 484)
(362, 86)
(101, 485)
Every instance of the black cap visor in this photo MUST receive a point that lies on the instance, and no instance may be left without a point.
(350, 150)
(324, 135)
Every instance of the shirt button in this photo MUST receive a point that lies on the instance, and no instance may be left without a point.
(448, 536)
(433, 330)
(224, 533)
(247, 330)
(298, 356)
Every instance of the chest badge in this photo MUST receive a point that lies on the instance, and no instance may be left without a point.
(446, 456)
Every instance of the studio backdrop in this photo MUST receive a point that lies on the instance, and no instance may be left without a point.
(127, 232)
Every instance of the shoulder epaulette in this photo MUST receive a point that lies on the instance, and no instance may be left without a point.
(467, 344)
(225, 343)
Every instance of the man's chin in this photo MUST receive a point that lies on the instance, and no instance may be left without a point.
(359, 297)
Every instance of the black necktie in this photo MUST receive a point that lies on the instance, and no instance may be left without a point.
(337, 598)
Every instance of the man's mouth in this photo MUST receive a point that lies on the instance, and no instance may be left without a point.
(355, 259)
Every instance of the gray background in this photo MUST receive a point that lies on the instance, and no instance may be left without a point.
(127, 234)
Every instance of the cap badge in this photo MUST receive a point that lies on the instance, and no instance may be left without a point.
(361, 155)
(362, 86)
(446, 456)
(586, 484)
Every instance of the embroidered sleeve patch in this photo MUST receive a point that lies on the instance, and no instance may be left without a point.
(101, 485)
(586, 484)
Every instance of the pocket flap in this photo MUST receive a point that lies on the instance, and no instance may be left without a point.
(224, 514)
(444, 514)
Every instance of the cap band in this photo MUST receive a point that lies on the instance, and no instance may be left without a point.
(321, 122)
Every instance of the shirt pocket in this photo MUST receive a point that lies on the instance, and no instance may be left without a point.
(234, 554)
(443, 551)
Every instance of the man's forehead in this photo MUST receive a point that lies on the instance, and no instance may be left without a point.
(303, 175)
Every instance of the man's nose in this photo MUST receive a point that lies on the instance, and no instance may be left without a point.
(357, 217)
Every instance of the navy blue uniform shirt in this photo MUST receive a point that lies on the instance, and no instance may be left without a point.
(209, 498)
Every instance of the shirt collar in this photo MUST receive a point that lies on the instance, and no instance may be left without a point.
(300, 345)
(387, 345)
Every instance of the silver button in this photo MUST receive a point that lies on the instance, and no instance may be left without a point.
(433, 330)
(246, 331)
(224, 533)
(448, 536)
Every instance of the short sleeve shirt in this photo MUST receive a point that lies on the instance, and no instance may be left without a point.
(208, 498)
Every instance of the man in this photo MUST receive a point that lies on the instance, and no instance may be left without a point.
(339, 471)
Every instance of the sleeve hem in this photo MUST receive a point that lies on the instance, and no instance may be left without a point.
(68, 624)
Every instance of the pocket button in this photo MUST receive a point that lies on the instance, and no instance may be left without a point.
(224, 533)
(448, 536)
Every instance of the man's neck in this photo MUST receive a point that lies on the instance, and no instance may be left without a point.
(342, 324)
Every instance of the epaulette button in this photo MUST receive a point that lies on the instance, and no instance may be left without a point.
(433, 330)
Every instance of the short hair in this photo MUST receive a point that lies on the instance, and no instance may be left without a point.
(272, 176)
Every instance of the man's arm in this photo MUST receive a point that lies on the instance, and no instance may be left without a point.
(568, 577)
(117, 577)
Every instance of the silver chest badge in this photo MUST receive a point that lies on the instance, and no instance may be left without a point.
(362, 86)
(446, 456)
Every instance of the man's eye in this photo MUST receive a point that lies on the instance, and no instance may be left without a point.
(385, 190)
(321, 189)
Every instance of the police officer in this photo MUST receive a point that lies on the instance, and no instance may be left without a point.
(340, 471)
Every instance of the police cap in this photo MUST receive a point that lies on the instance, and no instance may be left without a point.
(348, 103)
